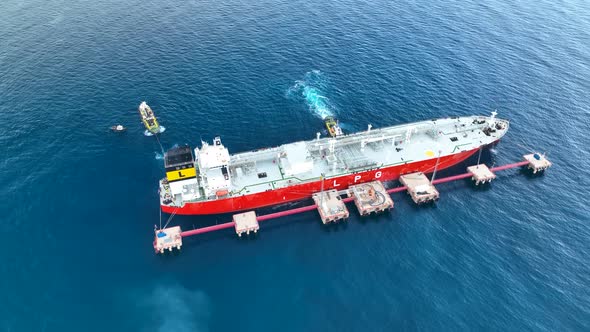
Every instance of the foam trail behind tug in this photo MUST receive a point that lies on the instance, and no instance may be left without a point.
(148, 133)
(310, 89)
(160, 156)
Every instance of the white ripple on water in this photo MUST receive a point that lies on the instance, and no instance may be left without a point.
(311, 90)
(173, 307)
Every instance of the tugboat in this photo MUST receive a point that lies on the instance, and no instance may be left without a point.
(334, 129)
(118, 128)
(149, 119)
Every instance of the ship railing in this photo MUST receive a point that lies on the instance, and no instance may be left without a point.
(352, 157)
(370, 137)
(467, 128)
(291, 180)
(254, 156)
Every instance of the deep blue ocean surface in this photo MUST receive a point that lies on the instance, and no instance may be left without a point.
(79, 203)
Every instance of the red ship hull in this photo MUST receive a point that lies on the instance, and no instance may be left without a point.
(305, 190)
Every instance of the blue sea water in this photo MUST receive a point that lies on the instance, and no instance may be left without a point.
(79, 203)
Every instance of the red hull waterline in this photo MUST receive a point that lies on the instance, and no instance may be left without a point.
(305, 190)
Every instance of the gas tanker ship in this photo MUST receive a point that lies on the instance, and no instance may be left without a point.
(208, 180)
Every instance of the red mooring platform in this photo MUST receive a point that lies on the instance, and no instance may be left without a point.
(251, 223)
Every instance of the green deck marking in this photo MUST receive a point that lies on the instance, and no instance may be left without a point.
(457, 146)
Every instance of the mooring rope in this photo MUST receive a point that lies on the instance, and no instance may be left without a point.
(171, 216)
(160, 143)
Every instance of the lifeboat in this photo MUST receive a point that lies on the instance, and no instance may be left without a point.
(221, 192)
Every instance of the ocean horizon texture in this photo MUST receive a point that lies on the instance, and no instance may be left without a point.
(79, 203)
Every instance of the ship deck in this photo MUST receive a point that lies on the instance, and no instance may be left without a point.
(298, 162)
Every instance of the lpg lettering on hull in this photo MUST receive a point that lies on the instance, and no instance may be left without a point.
(358, 177)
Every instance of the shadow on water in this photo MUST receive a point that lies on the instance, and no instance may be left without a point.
(375, 219)
(529, 175)
(334, 227)
(482, 187)
(169, 254)
(431, 205)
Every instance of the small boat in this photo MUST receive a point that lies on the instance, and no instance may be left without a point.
(149, 119)
(118, 128)
(332, 125)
